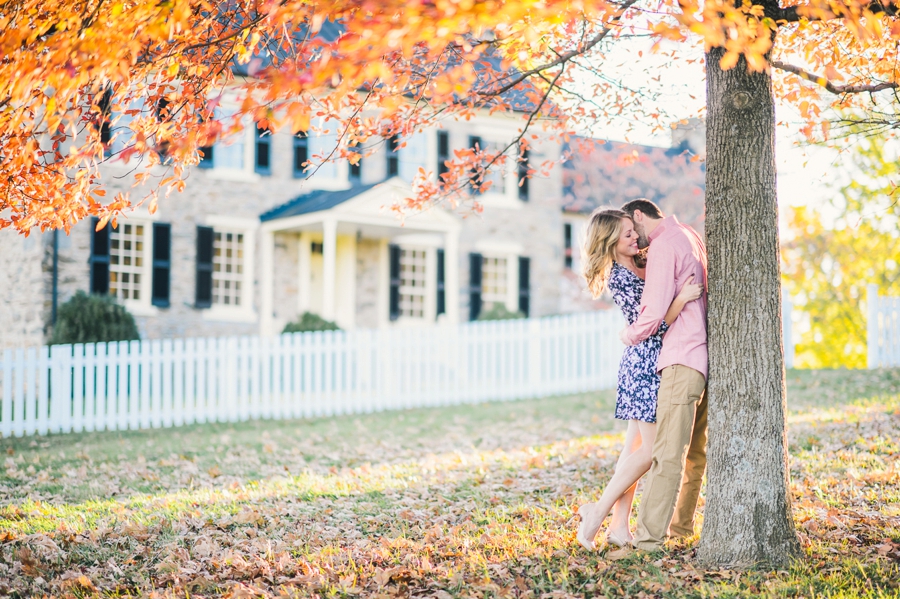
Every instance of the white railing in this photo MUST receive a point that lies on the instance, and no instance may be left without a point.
(172, 382)
(883, 329)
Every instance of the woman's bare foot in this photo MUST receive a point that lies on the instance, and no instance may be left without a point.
(589, 526)
(619, 538)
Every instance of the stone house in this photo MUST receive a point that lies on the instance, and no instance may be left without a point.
(254, 240)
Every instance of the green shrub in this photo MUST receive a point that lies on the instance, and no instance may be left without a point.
(91, 319)
(310, 322)
(499, 312)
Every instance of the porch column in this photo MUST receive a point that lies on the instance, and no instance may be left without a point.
(329, 266)
(267, 284)
(451, 276)
(303, 274)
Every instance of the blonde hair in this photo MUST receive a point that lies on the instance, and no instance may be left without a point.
(599, 249)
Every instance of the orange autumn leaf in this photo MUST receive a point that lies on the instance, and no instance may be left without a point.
(144, 83)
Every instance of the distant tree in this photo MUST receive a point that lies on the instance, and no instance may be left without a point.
(827, 268)
(93, 319)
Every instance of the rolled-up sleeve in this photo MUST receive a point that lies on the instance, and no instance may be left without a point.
(659, 291)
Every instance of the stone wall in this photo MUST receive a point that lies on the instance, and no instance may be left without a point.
(22, 291)
(367, 283)
(535, 225)
(286, 281)
(235, 200)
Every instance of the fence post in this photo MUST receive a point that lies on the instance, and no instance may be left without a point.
(872, 328)
(787, 332)
(535, 360)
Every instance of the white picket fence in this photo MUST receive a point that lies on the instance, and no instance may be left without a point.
(172, 382)
(883, 329)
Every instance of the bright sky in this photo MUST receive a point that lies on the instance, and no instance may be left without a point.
(804, 173)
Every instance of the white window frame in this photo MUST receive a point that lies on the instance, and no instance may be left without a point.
(493, 133)
(510, 252)
(430, 245)
(247, 172)
(424, 289)
(244, 312)
(144, 305)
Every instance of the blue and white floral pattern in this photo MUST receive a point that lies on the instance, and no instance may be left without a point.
(638, 380)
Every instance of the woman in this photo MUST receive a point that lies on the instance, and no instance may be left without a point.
(612, 259)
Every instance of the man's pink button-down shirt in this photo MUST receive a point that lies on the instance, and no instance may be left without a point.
(676, 252)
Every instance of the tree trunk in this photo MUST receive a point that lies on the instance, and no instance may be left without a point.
(748, 518)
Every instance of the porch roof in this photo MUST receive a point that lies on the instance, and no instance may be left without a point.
(314, 201)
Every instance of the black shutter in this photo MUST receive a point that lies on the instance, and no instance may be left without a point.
(99, 258)
(395, 282)
(524, 286)
(476, 178)
(441, 292)
(567, 245)
(523, 177)
(205, 238)
(263, 164)
(443, 152)
(162, 264)
(393, 156)
(206, 161)
(301, 153)
(355, 172)
(475, 261)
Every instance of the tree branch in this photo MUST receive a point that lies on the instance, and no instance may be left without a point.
(562, 59)
(831, 86)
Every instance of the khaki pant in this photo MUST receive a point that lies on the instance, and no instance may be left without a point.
(679, 459)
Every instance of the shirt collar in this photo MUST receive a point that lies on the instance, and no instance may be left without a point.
(665, 224)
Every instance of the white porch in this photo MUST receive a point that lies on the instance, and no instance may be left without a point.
(345, 235)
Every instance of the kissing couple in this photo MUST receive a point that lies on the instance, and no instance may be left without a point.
(662, 376)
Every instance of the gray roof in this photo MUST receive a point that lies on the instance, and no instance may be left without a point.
(314, 201)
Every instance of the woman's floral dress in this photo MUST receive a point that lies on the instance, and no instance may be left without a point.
(638, 379)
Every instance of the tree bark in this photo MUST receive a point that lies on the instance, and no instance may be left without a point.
(748, 519)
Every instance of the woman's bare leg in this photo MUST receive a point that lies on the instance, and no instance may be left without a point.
(621, 511)
(626, 475)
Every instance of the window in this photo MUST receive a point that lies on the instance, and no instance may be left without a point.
(301, 152)
(567, 245)
(495, 175)
(412, 283)
(356, 165)
(126, 262)
(263, 164)
(493, 280)
(443, 152)
(393, 156)
(228, 268)
(228, 151)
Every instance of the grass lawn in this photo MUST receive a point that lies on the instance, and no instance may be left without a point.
(450, 502)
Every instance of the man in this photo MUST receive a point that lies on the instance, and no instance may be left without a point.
(679, 452)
